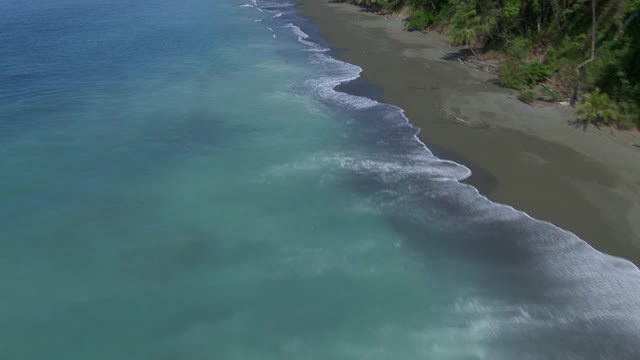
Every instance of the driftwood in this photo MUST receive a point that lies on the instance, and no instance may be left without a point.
(464, 63)
(481, 124)
(479, 65)
(459, 119)
(477, 62)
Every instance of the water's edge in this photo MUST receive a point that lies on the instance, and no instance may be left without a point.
(309, 35)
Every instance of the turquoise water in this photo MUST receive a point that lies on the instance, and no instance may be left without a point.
(178, 180)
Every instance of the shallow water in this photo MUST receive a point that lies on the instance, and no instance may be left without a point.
(180, 181)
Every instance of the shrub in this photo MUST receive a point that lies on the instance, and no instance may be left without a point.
(420, 20)
(527, 97)
(373, 4)
(598, 108)
(519, 48)
(550, 94)
(629, 116)
(518, 75)
(536, 72)
(512, 75)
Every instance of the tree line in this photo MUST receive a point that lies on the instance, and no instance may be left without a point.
(583, 51)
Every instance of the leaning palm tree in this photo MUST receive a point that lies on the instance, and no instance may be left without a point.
(463, 27)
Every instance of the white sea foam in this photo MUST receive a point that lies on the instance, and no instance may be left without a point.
(340, 73)
(599, 286)
(343, 72)
(395, 169)
(254, 6)
(302, 37)
(276, 4)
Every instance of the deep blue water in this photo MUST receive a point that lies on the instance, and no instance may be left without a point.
(178, 180)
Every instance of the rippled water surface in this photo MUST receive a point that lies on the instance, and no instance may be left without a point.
(178, 180)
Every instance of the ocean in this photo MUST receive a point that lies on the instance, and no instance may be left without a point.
(179, 180)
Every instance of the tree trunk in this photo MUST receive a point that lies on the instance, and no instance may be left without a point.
(593, 35)
(580, 68)
(473, 51)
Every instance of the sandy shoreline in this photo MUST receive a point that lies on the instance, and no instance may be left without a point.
(587, 182)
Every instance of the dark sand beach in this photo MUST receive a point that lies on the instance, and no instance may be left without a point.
(585, 181)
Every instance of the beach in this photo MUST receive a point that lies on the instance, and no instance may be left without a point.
(194, 180)
(586, 181)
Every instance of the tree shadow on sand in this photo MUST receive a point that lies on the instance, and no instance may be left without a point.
(581, 124)
(461, 54)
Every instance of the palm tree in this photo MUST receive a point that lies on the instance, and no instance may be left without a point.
(463, 27)
(597, 108)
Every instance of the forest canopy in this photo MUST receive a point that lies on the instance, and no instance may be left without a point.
(575, 50)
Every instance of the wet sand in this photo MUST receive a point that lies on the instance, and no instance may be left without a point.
(585, 181)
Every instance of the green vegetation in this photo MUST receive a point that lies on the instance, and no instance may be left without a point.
(586, 51)
(420, 20)
(598, 108)
(550, 94)
(527, 97)
(517, 74)
(374, 4)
